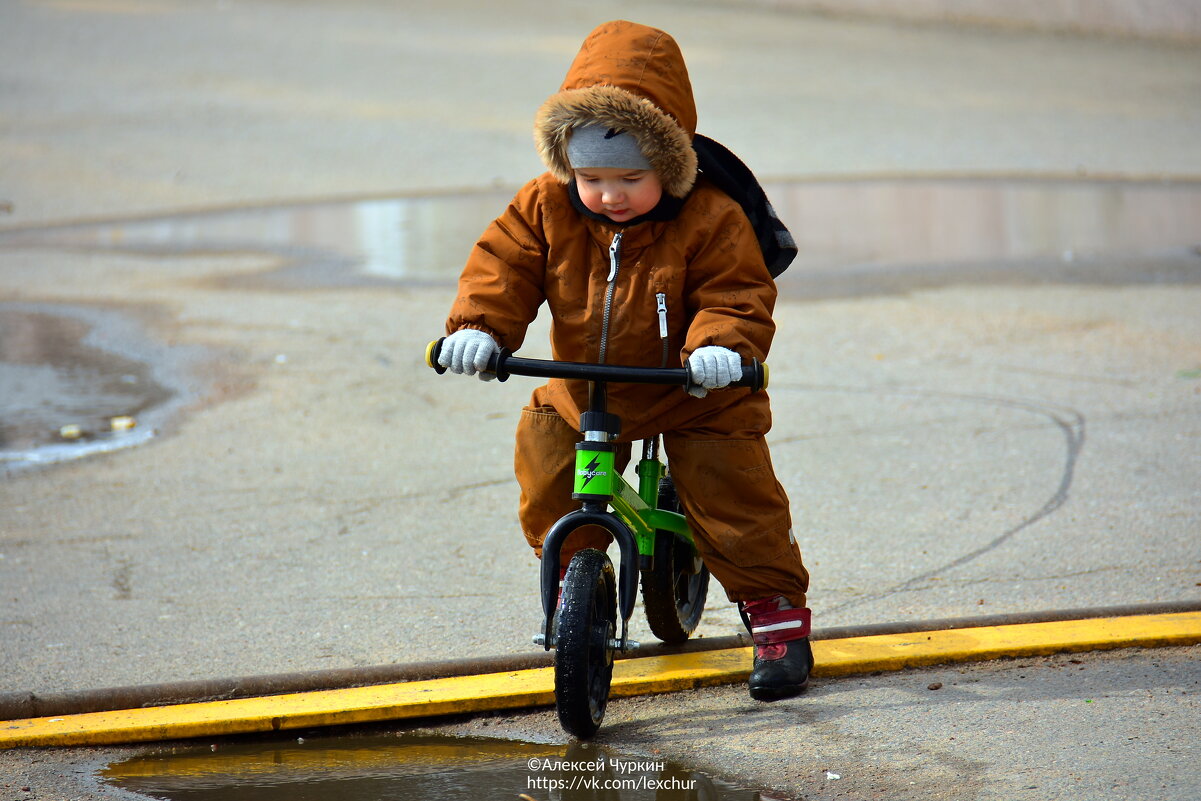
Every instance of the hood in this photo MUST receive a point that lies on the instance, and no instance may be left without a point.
(633, 78)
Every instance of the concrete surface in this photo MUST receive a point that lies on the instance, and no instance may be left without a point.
(1090, 726)
(958, 446)
(1159, 19)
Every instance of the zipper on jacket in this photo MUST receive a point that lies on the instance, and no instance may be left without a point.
(614, 264)
(661, 308)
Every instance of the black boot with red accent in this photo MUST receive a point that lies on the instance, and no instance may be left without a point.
(783, 657)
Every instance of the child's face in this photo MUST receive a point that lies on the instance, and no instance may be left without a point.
(619, 194)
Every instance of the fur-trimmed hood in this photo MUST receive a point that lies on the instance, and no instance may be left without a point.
(633, 78)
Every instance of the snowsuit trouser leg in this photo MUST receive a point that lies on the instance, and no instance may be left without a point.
(739, 515)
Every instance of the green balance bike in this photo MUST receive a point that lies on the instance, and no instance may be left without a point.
(646, 523)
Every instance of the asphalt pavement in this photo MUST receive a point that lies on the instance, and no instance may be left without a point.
(222, 191)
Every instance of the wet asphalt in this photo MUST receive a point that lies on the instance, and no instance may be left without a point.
(963, 429)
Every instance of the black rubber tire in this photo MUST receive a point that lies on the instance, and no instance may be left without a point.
(674, 590)
(583, 657)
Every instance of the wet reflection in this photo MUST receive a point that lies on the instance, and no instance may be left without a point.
(936, 221)
(413, 768)
(410, 240)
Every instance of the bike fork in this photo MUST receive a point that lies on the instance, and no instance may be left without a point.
(627, 579)
(595, 480)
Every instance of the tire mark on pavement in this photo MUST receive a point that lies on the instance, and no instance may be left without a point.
(1069, 421)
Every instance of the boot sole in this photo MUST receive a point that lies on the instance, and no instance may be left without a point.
(769, 694)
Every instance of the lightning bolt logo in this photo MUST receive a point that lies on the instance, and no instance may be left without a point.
(590, 471)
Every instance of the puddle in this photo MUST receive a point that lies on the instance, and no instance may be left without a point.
(939, 221)
(76, 382)
(852, 234)
(870, 238)
(415, 240)
(412, 768)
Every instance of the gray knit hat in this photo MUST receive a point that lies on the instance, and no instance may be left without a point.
(599, 146)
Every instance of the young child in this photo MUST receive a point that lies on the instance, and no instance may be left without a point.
(643, 261)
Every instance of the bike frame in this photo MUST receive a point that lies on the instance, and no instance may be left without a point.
(636, 516)
(596, 476)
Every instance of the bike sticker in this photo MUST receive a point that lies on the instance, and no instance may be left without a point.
(594, 471)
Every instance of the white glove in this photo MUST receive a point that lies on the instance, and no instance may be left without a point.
(713, 367)
(466, 352)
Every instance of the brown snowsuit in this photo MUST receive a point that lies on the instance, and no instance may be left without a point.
(685, 279)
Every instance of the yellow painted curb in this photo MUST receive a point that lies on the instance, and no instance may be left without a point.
(899, 651)
(640, 676)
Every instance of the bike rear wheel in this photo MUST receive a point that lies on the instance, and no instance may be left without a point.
(675, 588)
(584, 651)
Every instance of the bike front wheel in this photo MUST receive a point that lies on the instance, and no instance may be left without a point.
(584, 651)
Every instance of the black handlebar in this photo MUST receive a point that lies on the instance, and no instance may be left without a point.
(505, 364)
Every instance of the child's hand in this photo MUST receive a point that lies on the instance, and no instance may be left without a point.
(467, 352)
(713, 367)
